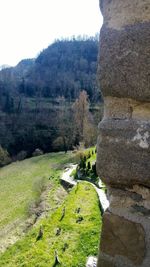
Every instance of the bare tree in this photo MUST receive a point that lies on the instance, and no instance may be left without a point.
(84, 124)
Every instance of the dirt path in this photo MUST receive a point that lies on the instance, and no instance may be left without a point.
(67, 174)
(91, 260)
(101, 194)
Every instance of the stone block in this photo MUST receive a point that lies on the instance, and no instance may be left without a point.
(119, 13)
(123, 153)
(102, 262)
(125, 62)
(123, 237)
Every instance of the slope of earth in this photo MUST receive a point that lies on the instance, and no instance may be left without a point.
(71, 232)
(24, 186)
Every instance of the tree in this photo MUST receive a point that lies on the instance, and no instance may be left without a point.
(89, 131)
(81, 112)
(65, 139)
(85, 129)
(9, 104)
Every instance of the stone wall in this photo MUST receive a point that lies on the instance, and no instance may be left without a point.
(123, 160)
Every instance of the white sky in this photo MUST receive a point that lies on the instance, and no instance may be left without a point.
(28, 26)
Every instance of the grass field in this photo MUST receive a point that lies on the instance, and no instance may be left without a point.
(19, 184)
(79, 229)
(78, 237)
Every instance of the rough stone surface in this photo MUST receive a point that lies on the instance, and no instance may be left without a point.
(102, 262)
(125, 62)
(123, 198)
(123, 148)
(126, 108)
(143, 191)
(145, 196)
(118, 13)
(123, 237)
(123, 152)
(129, 201)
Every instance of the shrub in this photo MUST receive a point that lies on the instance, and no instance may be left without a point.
(39, 186)
(32, 207)
(4, 157)
(21, 155)
(88, 155)
(88, 165)
(94, 169)
(82, 164)
(37, 152)
(79, 155)
(74, 174)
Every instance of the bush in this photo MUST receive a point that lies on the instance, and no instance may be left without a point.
(37, 152)
(82, 164)
(20, 156)
(94, 169)
(88, 155)
(58, 144)
(4, 157)
(88, 165)
(32, 207)
(74, 174)
(79, 155)
(39, 186)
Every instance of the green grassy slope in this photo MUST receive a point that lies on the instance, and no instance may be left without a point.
(19, 185)
(76, 240)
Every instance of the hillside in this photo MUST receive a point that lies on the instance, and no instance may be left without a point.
(37, 98)
(78, 224)
(22, 184)
(63, 69)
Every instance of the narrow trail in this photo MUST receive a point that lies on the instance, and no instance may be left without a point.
(101, 194)
(67, 174)
(104, 203)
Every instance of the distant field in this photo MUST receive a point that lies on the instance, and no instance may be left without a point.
(18, 186)
(78, 237)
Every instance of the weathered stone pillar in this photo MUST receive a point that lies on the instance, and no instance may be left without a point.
(123, 160)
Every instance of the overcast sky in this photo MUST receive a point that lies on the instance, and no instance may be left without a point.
(28, 26)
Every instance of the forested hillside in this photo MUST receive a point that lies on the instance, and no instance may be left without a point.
(63, 69)
(38, 99)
